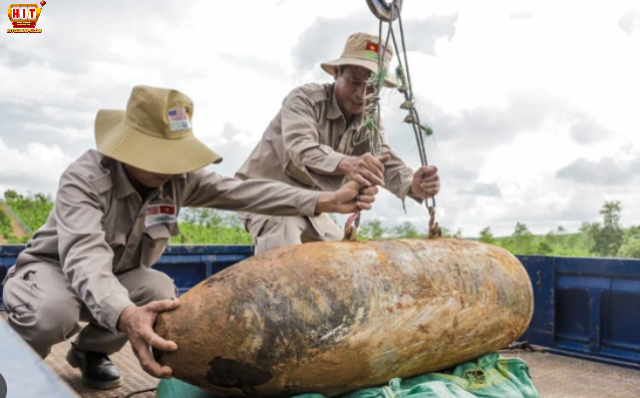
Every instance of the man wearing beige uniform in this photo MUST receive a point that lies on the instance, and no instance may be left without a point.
(315, 142)
(114, 212)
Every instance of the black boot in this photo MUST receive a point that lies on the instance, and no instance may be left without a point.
(98, 371)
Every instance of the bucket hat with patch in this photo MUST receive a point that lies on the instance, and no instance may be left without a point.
(363, 49)
(154, 133)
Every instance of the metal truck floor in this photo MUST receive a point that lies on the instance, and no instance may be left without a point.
(554, 376)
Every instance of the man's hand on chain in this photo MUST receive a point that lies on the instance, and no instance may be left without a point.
(349, 198)
(367, 169)
(426, 182)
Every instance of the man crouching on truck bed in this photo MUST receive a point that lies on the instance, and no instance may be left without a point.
(114, 212)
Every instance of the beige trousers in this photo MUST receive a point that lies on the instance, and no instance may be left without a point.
(274, 232)
(44, 310)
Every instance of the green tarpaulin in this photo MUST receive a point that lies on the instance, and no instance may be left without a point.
(490, 376)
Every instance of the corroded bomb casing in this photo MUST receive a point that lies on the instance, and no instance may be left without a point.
(333, 317)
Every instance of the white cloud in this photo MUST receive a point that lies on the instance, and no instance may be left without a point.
(629, 22)
(67, 134)
(37, 168)
(518, 91)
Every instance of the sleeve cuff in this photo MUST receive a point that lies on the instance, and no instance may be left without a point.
(329, 162)
(307, 202)
(405, 192)
(113, 307)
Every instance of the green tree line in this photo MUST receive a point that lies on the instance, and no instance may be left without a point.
(6, 229)
(33, 210)
(604, 238)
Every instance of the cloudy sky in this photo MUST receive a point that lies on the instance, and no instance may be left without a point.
(534, 104)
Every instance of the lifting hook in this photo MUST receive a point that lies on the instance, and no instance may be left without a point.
(386, 11)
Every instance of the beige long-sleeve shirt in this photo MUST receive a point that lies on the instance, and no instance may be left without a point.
(100, 225)
(310, 131)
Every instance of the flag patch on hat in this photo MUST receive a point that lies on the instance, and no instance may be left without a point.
(372, 47)
(179, 119)
(372, 50)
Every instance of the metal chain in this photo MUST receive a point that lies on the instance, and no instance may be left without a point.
(372, 131)
(413, 118)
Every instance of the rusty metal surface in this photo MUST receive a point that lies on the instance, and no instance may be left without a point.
(332, 317)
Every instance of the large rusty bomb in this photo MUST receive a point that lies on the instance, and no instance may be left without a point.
(333, 317)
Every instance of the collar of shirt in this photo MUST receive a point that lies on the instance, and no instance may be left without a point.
(334, 113)
(334, 108)
(122, 184)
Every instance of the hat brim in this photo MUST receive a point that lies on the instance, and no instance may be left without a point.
(117, 140)
(390, 78)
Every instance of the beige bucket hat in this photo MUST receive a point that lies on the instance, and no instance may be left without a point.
(154, 133)
(362, 49)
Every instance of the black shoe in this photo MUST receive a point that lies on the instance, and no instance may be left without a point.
(98, 371)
